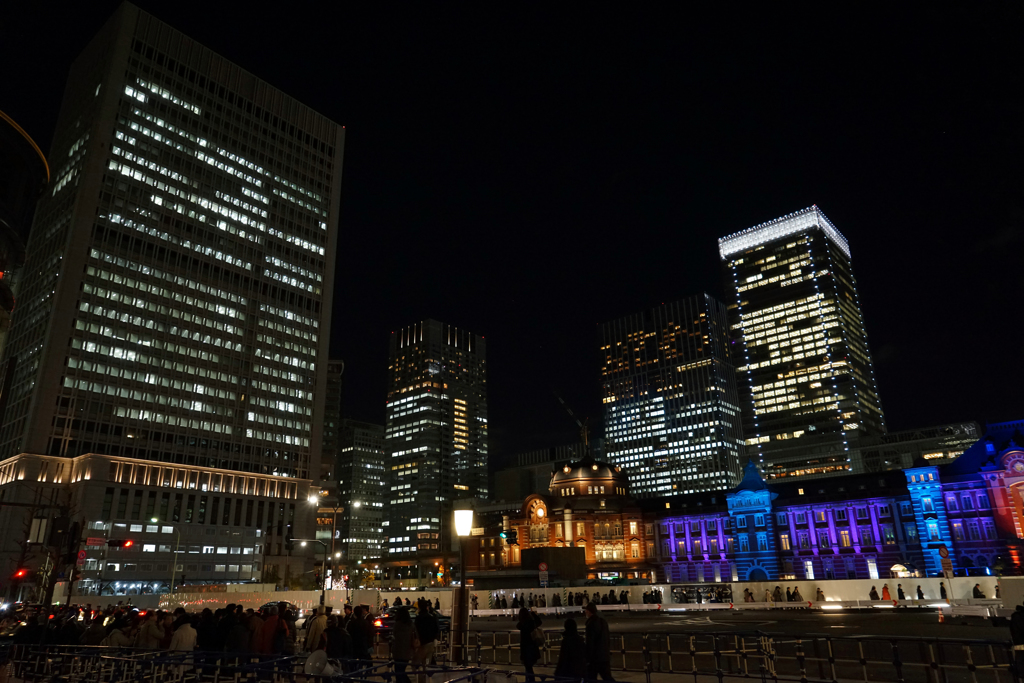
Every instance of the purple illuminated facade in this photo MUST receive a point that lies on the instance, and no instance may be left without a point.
(852, 527)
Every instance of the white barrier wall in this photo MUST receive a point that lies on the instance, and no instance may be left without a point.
(835, 591)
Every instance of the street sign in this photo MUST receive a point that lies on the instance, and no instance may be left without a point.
(943, 552)
(543, 579)
(947, 565)
(81, 558)
(543, 566)
(95, 541)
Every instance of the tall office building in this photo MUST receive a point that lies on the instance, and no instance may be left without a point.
(806, 382)
(671, 412)
(177, 302)
(436, 439)
(361, 482)
(332, 425)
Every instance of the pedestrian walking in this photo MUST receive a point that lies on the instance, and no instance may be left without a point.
(572, 653)
(429, 631)
(598, 645)
(404, 643)
(530, 640)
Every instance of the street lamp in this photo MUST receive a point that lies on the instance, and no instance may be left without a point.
(463, 528)
(323, 579)
(177, 546)
(315, 500)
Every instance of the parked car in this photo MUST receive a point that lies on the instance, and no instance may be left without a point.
(287, 605)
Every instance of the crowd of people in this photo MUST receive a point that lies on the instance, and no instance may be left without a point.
(578, 657)
(271, 630)
(793, 594)
(577, 599)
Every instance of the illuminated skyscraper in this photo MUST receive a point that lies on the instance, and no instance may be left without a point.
(671, 412)
(436, 439)
(177, 300)
(361, 486)
(805, 376)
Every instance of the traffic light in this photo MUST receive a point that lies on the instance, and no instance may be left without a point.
(511, 536)
(19, 575)
(120, 543)
(288, 538)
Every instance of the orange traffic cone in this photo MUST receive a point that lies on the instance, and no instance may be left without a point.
(942, 617)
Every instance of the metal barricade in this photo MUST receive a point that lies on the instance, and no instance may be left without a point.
(768, 657)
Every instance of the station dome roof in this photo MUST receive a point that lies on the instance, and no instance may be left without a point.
(589, 477)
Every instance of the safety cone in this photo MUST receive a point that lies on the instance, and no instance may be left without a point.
(942, 617)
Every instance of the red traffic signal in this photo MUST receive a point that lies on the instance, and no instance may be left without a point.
(120, 543)
(20, 574)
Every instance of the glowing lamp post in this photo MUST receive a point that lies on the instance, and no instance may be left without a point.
(463, 528)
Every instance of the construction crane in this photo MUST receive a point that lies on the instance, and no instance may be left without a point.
(584, 424)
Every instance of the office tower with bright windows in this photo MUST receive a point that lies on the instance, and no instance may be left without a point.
(671, 411)
(177, 301)
(361, 485)
(436, 438)
(806, 381)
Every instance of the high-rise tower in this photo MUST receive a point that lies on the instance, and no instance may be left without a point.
(176, 305)
(361, 486)
(805, 377)
(436, 439)
(671, 413)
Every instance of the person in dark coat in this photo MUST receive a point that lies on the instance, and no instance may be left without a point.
(1017, 636)
(598, 645)
(572, 653)
(873, 594)
(336, 640)
(942, 590)
(920, 593)
(900, 595)
(403, 644)
(529, 651)
(976, 593)
(361, 631)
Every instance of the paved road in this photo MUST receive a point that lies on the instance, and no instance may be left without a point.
(790, 622)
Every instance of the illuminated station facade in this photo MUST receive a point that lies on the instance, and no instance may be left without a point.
(804, 372)
(855, 526)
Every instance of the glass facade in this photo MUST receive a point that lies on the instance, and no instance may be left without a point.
(805, 377)
(672, 417)
(436, 438)
(361, 481)
(178, 295)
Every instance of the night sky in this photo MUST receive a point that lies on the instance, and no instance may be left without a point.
(527, 173)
